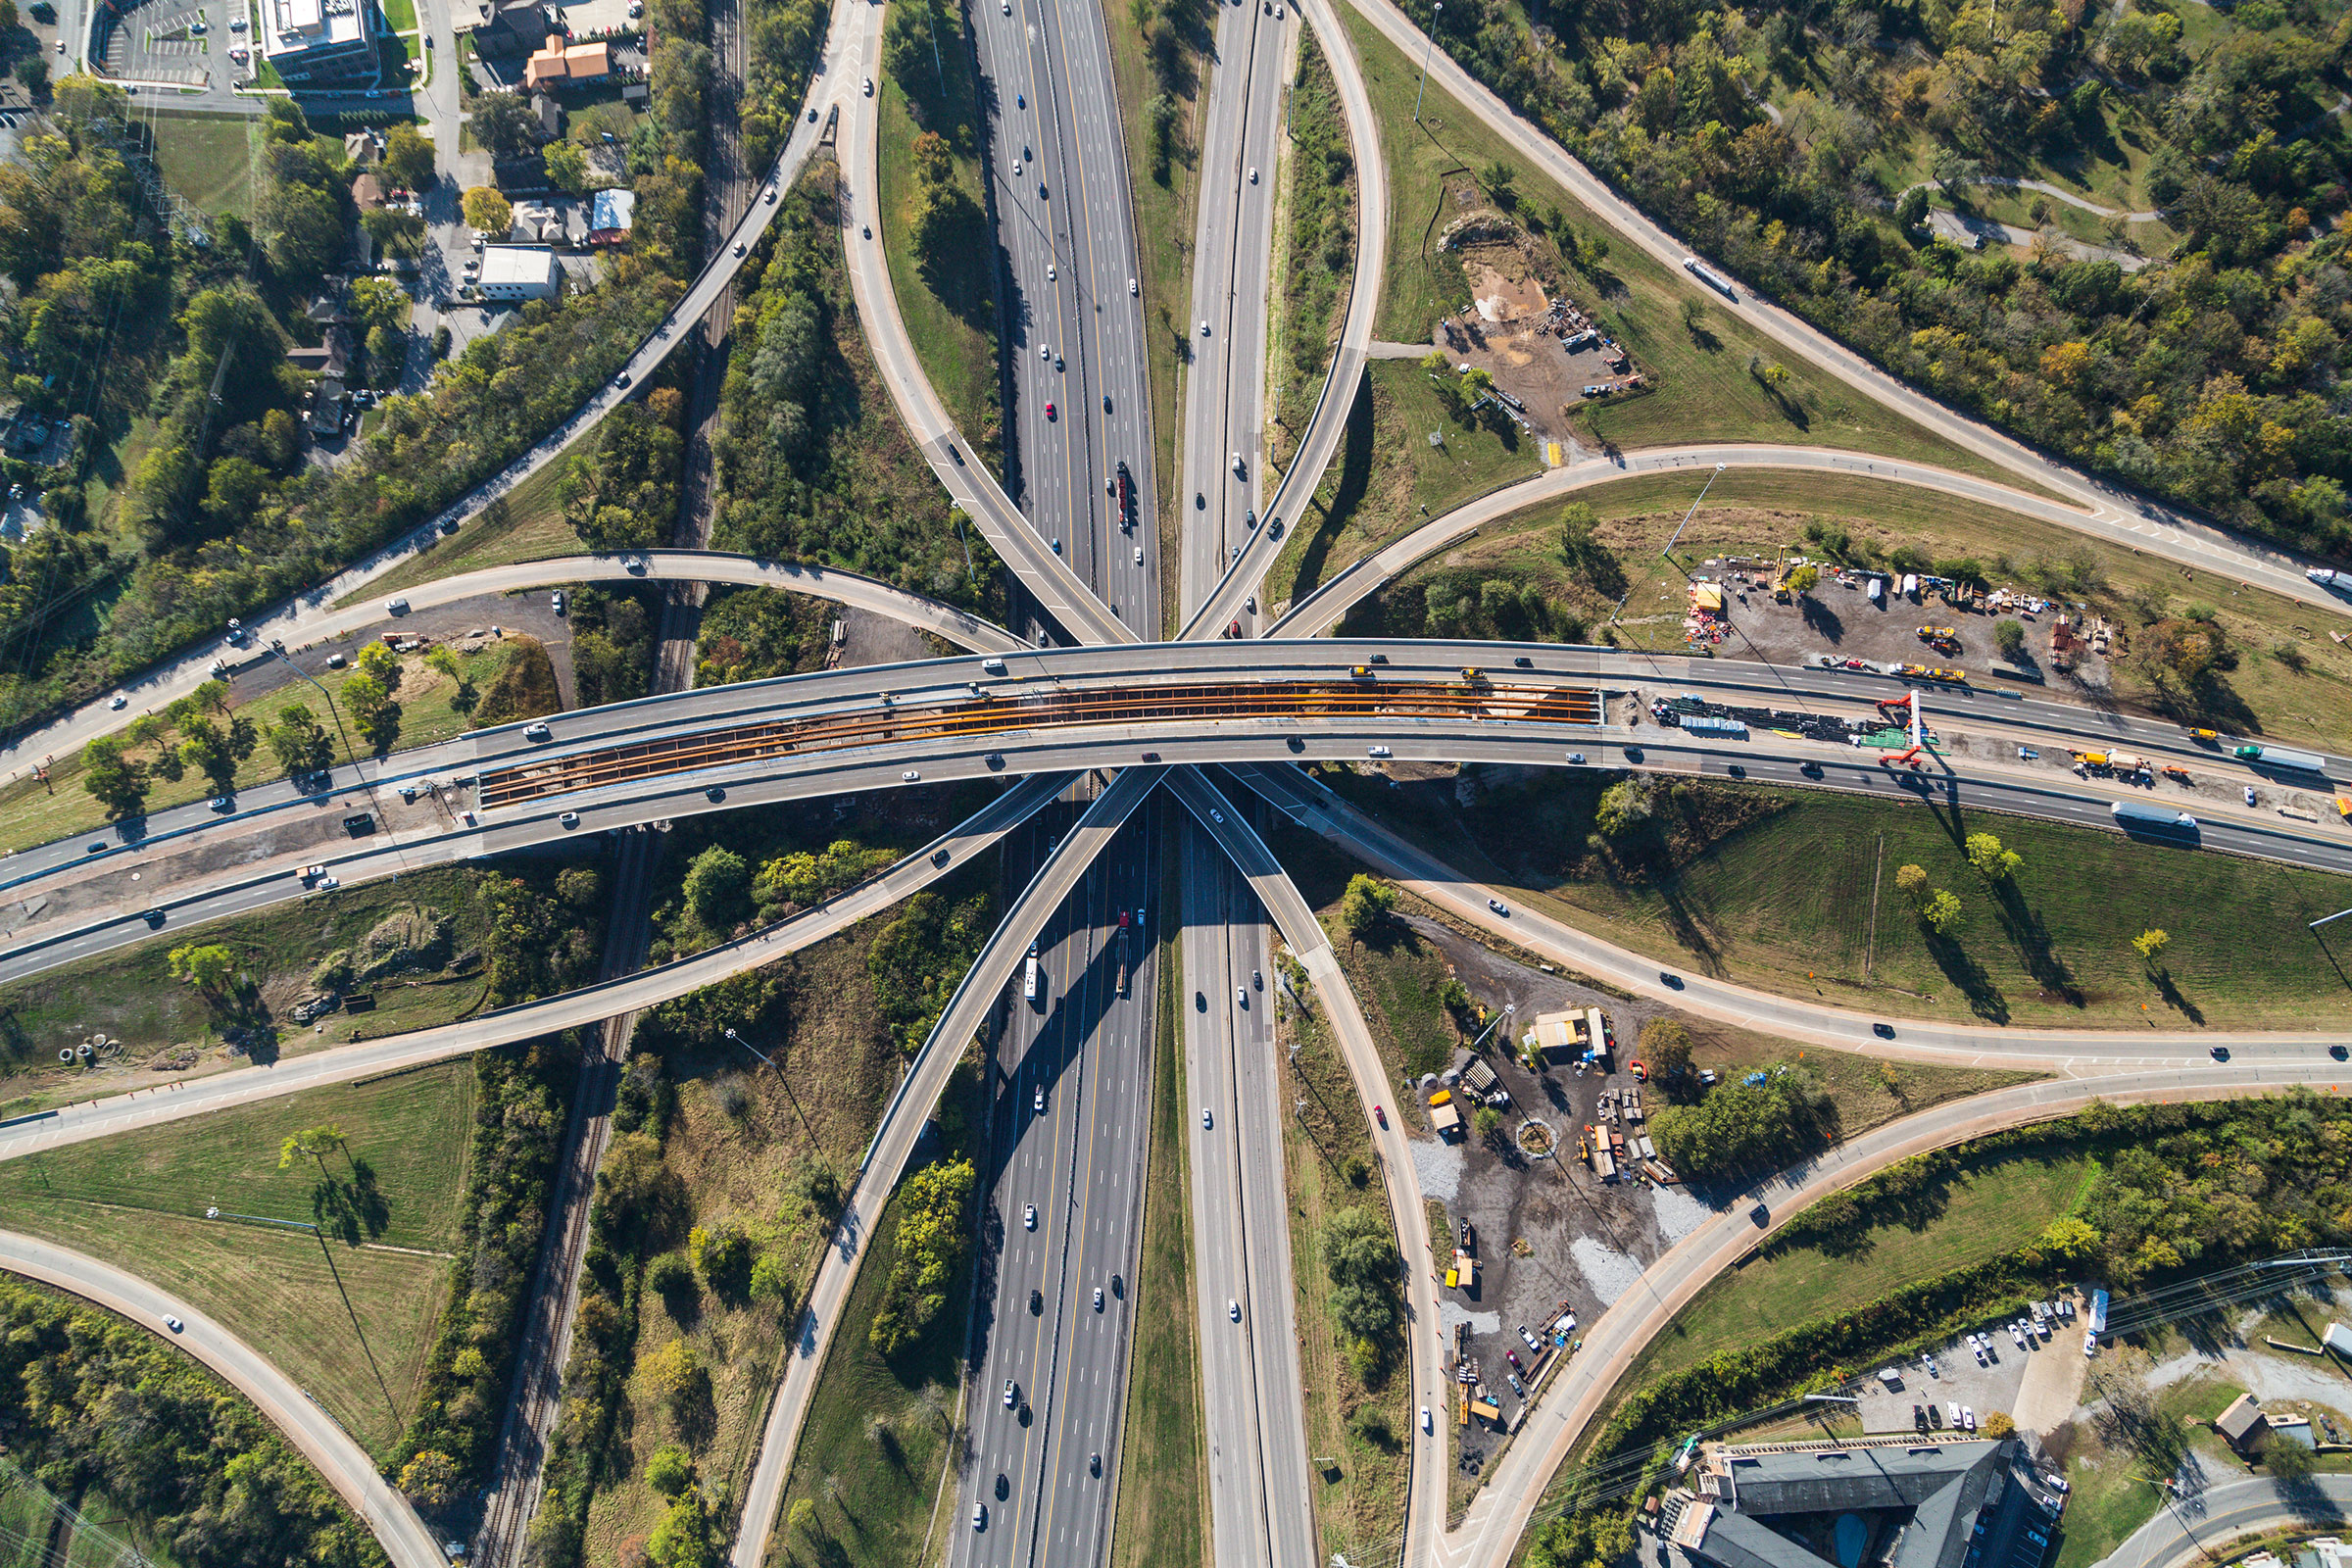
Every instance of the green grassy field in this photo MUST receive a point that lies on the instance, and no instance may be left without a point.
(1163, 1499)
(1704, 391)
(958, 357)
(2308, 701)
(130, 994)
(1785, 903)
(1390, 477)
(206, 159)
(138, 1199)
(1995, 1208)
(872, 1447)
(399, 14)
(33, 813)
(527, 524)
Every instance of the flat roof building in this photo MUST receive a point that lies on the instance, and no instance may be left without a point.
(518, 272)
(320, 43)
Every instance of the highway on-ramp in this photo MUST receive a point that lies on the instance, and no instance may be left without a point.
(1326, 605)
(2123, 517)
(341, 1462)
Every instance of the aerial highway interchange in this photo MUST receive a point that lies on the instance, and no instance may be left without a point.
(1130, 767)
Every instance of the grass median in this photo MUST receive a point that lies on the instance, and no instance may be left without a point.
(1163, 1497)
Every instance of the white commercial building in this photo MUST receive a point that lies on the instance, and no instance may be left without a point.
(518, 272)
(317, 43)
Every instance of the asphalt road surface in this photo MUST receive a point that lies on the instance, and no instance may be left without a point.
(1220, 467)
(1255, 1422)
(2121, 518)
(1070, 1096)
(982, 991)
(1074, 328)
(341, 1462)
(2194, 1529)
(1230, 599)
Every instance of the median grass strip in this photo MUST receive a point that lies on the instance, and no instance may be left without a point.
(947, 298)
(1163, 1497)
(345, 1315)
(1358, 1426)
(1704, 389)
(1772, 888)
(1164, 198)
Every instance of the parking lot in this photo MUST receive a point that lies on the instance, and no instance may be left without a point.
(177, 43)
(1997, 1384)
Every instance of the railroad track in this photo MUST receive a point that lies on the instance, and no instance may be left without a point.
(988, 715)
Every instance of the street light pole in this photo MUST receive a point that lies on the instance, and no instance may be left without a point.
(769, 1063)
(1432, 44)
(277, 647)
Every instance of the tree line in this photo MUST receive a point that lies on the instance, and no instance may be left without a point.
(92, 1403)
(2204, 375)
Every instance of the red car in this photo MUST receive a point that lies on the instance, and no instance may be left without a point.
(1050, 411)
(1380, 1115)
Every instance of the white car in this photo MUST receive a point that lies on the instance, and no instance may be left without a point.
(1029, 1217)
(1498, 907)
(771, 195)
(174, 1324)
(979, 1516)
(1216, 817)
(910, 776)
(570, 819)
(1578, 758)
(1045, 350)
(1012, 1392)
(869, 86)
(535, 732)
(1139, 555)
(118, 702)
(1131, 285)
(1098, 1298)
(1378, 751)
(1252, 176)
(1426, 1425)
(1037, 1102)
(1968, 1416)
(1205, 326)
(2090, 1343)
(1233, 1310)
(1016, 169)
(2250, 794)
(1241, 996)
(1206, 1120)
(1053, 274)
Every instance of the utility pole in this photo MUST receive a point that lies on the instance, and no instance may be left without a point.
(1435, 10)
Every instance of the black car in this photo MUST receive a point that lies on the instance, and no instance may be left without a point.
(1884, 1031)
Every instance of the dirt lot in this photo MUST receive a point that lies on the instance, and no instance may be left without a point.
(1517, 327)
(1838, 618)
(1585, 1243)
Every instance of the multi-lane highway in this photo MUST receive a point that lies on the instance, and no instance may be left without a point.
(1255, 1434)
(1070, 1096)
(1219, 470)
(1230, 599)
(1074, 323)
(981, 992)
